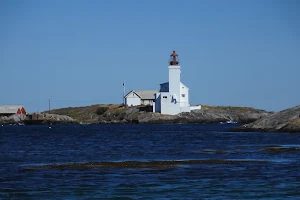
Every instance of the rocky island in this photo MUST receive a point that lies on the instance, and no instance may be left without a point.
(43, 118)
(253, 119)
(284, 121)
(116, 114)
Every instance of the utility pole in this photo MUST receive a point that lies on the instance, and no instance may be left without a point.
(49, 118)
(124, 93)
(49, 106)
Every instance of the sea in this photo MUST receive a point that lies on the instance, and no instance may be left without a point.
(260, 165)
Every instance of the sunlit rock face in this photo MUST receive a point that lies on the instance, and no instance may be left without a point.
(284, 121)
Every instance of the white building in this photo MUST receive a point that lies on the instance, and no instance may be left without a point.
(173, 96)
(140, 97)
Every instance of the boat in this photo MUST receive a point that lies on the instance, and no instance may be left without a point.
(231, 122)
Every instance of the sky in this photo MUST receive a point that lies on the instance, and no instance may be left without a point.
(77, 53)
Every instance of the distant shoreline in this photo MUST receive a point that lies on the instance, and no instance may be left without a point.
(254, 119)
(119, 114)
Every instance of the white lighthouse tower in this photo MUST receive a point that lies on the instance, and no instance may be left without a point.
(174, 77)
(173, 97)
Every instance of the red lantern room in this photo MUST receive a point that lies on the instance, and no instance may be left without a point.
(174, 59)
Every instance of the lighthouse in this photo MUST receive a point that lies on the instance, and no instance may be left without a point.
(173, 96)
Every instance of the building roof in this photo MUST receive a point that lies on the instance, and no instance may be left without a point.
(167, 83)
(10, 108)
(144, 94)
(164, 83)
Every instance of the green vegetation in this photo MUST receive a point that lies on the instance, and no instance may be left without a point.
(295, 122)
(101, 113)
(101, 110)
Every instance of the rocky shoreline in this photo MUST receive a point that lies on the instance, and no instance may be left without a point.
(284, 121)
(118, 114)
(46, 119)
(13, 119)
(255, 120)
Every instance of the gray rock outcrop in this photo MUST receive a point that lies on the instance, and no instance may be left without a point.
(13, 119)
(59, 118)
(284, 121)
(44, 119)
(241, 115)
(208, 115)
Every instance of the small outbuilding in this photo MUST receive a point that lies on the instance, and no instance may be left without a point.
(9, 110)
(140, 97)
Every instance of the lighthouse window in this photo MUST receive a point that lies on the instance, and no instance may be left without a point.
(165, 97)
(183, 95)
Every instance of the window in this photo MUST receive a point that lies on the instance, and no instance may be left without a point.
(183, 95)
(165, 97)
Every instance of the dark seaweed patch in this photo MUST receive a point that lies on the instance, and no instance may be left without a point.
(136, 164)
(279, 149)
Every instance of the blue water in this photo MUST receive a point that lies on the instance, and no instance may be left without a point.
(20, 146)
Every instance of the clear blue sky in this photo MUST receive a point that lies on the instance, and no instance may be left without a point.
(234, 53)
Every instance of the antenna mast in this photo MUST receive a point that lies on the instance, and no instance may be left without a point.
(49, 106)
(124, 93)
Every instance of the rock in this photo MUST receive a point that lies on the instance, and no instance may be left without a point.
(157, 118)
(46, 118)
(58, 119)
(13, 119)
(221, 114)
(284, 121)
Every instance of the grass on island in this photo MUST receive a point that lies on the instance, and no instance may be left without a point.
(86, 113)
(90, 114)
(295, 122)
